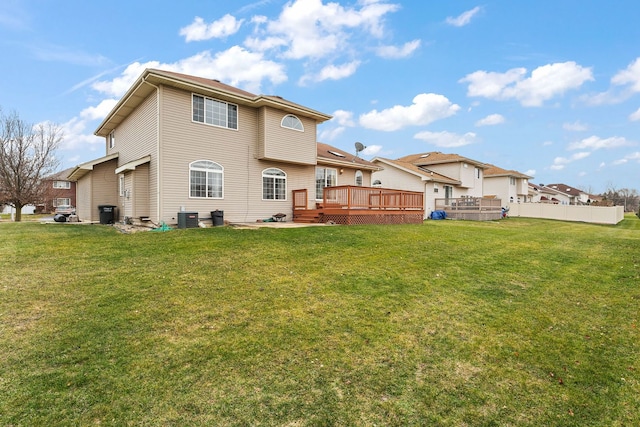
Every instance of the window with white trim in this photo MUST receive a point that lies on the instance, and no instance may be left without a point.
(512, 181)
(325, 177)
(214, 112)
(292, 122)
(62, 201)
(359, 178)
(112, 139)
(205, 179)
(64, 185)
(274, 184)
(121, 185)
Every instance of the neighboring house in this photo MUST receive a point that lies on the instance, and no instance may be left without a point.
(438, 175)
(508, 185)
(576, 196)
(543, 194)
(60, 191)
(177, 142)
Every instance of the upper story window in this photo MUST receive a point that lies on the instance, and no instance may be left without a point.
(112, 139)
(477, 171)
(512, 180)
(292, 122)
(359, 178)
(62, 184)
(205, 179)
(215, 112)
(274, 184)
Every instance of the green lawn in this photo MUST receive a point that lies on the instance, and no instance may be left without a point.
(519, 322)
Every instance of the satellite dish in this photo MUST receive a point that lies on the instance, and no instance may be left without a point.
(359, 147)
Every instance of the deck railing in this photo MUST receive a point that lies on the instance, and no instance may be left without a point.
(353, 197)
(468, 204)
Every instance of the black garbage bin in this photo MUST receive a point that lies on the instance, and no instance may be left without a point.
(217, 217)
(107, 214)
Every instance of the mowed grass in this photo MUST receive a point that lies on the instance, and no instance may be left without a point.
(514, 323)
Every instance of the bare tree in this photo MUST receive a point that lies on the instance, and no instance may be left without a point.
(626, 197)
(27, 155)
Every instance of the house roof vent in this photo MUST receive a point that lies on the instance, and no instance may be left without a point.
(424, 156)
(336, 154)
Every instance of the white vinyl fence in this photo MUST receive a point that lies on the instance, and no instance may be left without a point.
(593, 214)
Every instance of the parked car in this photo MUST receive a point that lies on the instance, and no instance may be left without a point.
(65, 210)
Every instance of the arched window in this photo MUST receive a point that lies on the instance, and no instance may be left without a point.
(292, 122)
(377, 183)
(205, 179)
(359, 178)
(274, 184)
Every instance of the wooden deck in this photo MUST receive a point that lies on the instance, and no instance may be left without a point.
(350, 205)
(471, 208)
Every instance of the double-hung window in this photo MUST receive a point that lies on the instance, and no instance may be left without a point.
(62, 184)
(215, 112)
(325, 177)
(205, 179)
(274, 184)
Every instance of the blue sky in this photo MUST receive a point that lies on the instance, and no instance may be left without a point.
(548, 88)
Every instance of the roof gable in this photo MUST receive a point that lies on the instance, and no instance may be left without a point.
(495, 171)
(150, 79)
(328, 154)
(436, 157)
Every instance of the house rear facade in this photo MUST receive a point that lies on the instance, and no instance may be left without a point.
(176, 142)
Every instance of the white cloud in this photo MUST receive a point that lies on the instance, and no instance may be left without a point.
(235, 66)
(198, 30)
(446, 139)
(100, 111)
(426, 108)
(312, 29)
(635, 116)
(394, 52)
(332, 72)
(464, 18)
(629, 76)
(76, 136)
(559, 163)
(545, 82)
(331, 134)
(628, 158)
(531, 172)
(343, 118)
(576, 126)
(596, 143)
(491, 120)
(372, 150)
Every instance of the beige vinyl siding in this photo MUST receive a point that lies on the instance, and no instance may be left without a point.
(83, 197)
(348, 176)
(183, 142)
(126, 203)
(137, 137)
(141, 191)
(284, 144)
